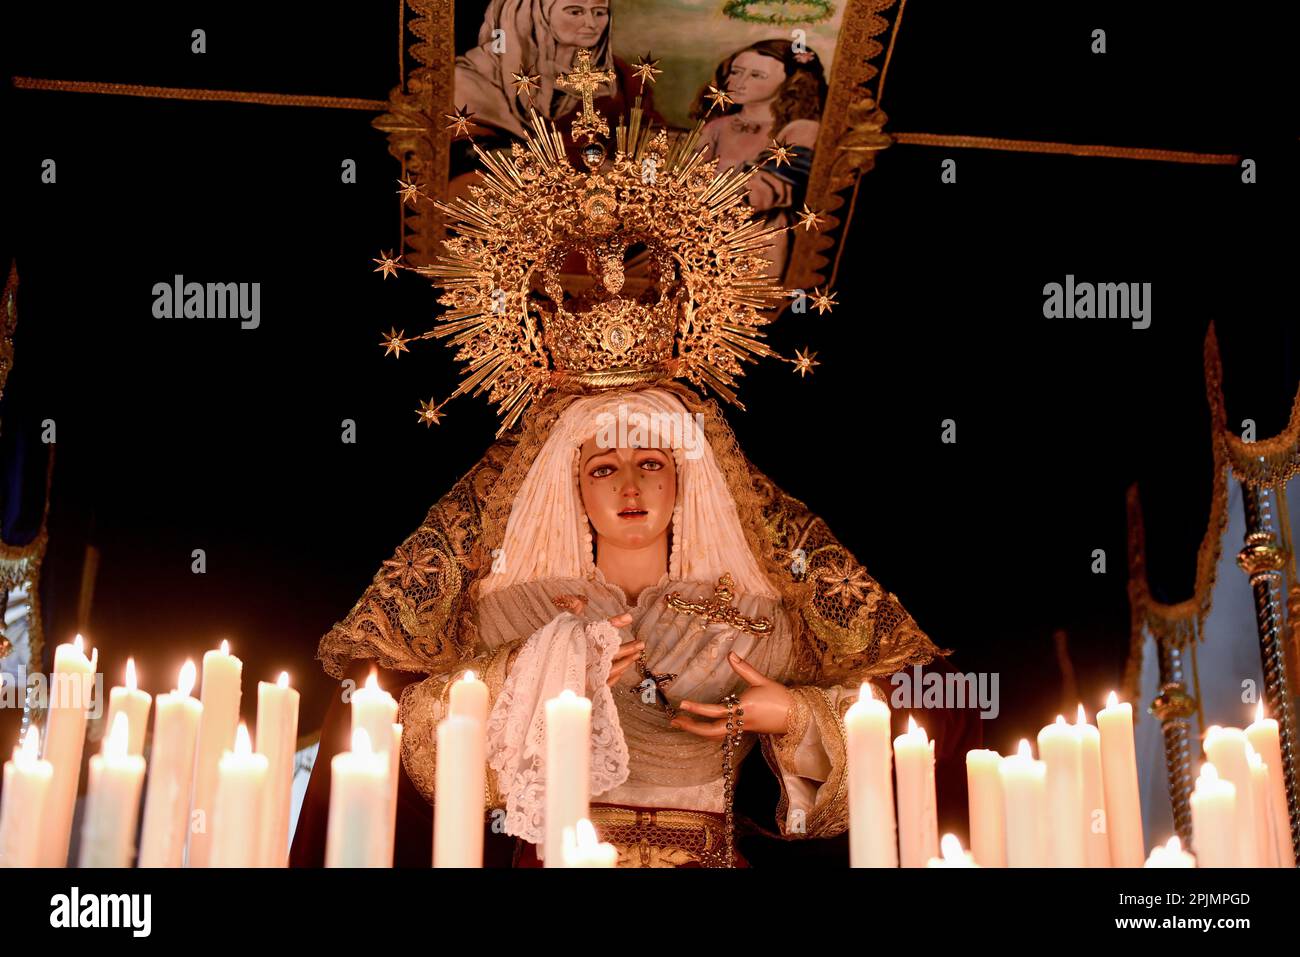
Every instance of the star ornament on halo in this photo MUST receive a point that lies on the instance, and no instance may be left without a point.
(409, 191)
(720, 98)
(780, 153)
(804, 361)
(459, 121)
(809, 219)
(645, 70)
(388, 264)
(428, 413)
(395, 342)
(823, 302)
(526, 84)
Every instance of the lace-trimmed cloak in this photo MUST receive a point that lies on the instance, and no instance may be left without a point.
(423, 623)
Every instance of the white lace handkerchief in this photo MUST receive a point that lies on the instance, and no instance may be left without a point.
(568, 652)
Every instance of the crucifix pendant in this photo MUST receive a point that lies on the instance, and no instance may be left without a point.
(660, 682)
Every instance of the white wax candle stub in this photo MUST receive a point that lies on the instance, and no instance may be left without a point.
(1214, 820)
(237, 817)
(171, 774)
(873, 823)
(918, 827)
(358, 809)
(112, 800)
(1024, 786)
(26, 784)
(72, 686)
(277, 739)
(568, 770)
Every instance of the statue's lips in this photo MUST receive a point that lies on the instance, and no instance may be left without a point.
(633, 513)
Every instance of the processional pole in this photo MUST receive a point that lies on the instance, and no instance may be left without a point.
(1262, 559)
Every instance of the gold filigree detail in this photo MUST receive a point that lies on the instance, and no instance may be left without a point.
(719, 608)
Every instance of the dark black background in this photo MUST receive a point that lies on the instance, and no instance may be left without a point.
(175, 435)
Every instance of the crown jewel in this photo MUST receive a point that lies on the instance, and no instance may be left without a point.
(642, 267)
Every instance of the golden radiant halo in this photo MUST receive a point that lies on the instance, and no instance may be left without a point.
(697, 314)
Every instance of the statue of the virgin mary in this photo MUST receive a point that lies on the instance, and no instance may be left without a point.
(615, 541)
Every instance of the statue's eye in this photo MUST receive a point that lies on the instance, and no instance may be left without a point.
(600, 471)
(652, 465)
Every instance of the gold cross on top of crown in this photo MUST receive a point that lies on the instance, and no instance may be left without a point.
(585, 81)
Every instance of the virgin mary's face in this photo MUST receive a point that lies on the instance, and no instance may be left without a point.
(629, 494)
(579, 23)
(754, 77)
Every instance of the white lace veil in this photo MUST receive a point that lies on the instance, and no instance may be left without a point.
(548, 534)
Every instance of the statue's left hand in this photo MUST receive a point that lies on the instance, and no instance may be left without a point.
(766, 703)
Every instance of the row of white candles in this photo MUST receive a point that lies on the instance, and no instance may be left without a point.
(363, 781)
(1075, 806)
(211, 799)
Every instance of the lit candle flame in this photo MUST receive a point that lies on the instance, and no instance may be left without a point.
(119, 737)
(283, 681)
(243, 745)
(1112, 700)
(130, 674)
(79, 643)
(30, 750)
(185, 680)
(585, 832)
(1173, 845)
(372, 682)
(1060, 719)
(951, 847)
(1025, 751)
(469, 676)
(225, 647)
(1259, 712)
(911, 725)
(1081, 717)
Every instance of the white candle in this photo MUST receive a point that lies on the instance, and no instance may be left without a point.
(237, 808)
(1024, 789)
(459, 792)
(953, 855)
(71, 688)
(134, 703)
(277, 739)
(1170, 854)
(469, 697)
(1214, 820)
(112, 800)
(374, 711)
(220, 694)
(26, 787)
(1263, 823)
(568, 770)
(1120, 783)
(1096, 840)
(918, 823)
(1060, 748)
(1226, 749)
(171, 774)
(358, 807)
(873, 829)
(583, 849)
(1265, 738)
(988, 828)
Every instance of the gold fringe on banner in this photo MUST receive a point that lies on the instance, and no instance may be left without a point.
(1180, 624)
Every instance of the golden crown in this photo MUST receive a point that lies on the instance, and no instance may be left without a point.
(639, 268)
